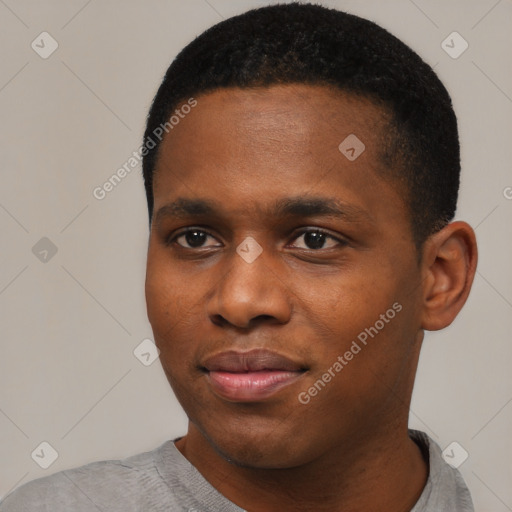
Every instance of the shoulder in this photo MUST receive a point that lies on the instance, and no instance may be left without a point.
(103, 485)
(445, 489)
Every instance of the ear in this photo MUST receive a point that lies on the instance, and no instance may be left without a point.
(449, 259)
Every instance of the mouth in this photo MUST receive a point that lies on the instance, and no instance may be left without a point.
(250, 376)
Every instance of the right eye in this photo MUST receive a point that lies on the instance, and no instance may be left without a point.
(193, 237)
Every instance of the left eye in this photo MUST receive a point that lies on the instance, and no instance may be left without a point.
(316, 238)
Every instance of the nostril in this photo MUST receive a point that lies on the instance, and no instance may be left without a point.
(261, 319)
(218, 320)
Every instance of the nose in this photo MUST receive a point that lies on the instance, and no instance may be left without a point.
(250, 293)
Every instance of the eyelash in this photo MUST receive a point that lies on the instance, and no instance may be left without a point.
(172, 239)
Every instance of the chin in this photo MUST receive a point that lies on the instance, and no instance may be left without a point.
(256, 456)
(257, 448)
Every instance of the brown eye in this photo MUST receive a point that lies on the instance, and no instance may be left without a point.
(193, 239)
(316, 239)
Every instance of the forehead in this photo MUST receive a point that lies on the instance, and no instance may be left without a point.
(281, 114)
(251, 147)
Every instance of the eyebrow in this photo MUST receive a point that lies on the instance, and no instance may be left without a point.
(300, 206)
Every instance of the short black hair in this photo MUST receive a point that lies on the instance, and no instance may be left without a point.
(315, 45)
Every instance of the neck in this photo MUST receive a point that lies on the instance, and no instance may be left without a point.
(384, 473)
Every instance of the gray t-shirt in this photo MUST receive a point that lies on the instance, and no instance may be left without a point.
(163, 480)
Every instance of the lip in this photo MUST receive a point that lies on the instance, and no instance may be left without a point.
(250, 376)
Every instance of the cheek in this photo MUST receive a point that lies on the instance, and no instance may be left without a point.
(169, 300)
(161, 300)
(167, 310)
(368, 327)
(349, 305)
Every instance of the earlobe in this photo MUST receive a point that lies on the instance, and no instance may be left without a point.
(449, 266)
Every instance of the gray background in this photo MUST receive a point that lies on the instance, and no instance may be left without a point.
(68, 375)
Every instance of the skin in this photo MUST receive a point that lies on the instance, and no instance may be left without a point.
(348, 448)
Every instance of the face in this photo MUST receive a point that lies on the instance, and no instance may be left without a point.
(282, 279)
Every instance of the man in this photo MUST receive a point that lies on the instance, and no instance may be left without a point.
(301, 168)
